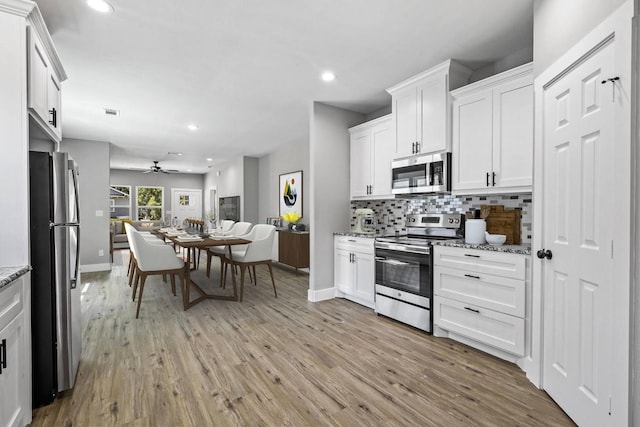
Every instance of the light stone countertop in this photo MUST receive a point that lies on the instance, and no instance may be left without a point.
(512, 249)
(9, 274)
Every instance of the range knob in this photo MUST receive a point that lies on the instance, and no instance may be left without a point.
(450, 220)
(457, 221)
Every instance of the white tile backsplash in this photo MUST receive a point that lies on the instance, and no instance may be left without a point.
(390, 213)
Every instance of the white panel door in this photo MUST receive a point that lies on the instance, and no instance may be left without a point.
(434, 108)
(186, 203)
(472, 141)
(383, 152)
(360, 163)
(405, 110)
(513, 134)
(365, 276)
(578, 163)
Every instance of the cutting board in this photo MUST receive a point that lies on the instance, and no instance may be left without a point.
(507, 222)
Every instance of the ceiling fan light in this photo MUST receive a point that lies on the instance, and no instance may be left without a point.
(101, 6)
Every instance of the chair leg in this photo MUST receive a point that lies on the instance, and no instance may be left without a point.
(209, 255)
(142, 280)
(132, 273)
(272, 281)
(136, 279)
(173, 284)
(130, 262)
(255, 277)
(242, 269)
(224, 267)
(164, 277)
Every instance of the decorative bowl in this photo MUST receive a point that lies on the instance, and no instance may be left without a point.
(495, 239)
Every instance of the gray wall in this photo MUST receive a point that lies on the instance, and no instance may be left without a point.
(560, 24)
(251, 195)
(328, 187)
(92, 158)
(237, 177)
(167, 181)
(289, 158)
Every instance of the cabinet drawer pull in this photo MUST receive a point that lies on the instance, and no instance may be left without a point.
(351, 240)
(472, 276)
(472, 256)
(3, 355)
(472, 309)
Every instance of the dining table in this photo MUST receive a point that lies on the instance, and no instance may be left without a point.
(202, 241)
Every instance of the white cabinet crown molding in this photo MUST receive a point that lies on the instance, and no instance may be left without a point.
(456, 69)
(370, 123)
(496, 80)
(17, 7)
(35, 19)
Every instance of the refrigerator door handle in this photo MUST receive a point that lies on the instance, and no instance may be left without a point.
(74, 278)
(75, 190)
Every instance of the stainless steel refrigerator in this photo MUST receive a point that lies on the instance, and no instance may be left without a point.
(56, 329)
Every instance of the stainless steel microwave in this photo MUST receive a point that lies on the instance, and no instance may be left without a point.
(429, 173)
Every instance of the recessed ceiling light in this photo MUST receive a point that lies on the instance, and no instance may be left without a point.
(328, 76)
(100, 5)
(209, 159)
(193, 127)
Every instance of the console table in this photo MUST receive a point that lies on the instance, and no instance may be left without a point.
(293, 248)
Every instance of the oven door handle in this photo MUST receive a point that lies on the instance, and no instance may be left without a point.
(390, 261)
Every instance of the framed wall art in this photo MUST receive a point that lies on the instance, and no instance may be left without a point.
(290, 193)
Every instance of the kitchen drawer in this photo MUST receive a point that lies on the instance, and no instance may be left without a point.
(415, 316)
(11, 302)
(354, 244)
(483, 325)
(480, 261)
(404, 296)
(497, 293)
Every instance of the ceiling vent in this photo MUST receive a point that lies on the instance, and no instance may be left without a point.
(111, 112)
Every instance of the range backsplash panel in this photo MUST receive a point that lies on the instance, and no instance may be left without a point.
(390, 213)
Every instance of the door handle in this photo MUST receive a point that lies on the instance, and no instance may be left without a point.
(472, 256)
(494, 179)
(413, 148)
(542, 254)
(487, 179)
(54, 117)
(417, 147)
(3, 355)
(472, 276)
(472, 309)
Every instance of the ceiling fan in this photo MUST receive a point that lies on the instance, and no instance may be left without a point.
(156, 168)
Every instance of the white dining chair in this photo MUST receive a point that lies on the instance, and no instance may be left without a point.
(258, 252)
(154, 259)
(238, 229)
(226, 225)
(129, 231)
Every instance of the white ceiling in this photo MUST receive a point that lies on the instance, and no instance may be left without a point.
(246, 71)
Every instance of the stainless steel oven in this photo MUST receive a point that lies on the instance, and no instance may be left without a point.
(404, 268)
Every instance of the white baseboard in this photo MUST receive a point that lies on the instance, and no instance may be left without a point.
(321, 295)
(90, 268)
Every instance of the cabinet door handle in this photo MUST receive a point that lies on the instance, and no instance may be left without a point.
(3, 355)
(472, 256)
(472, 276)
(472, 309)
(494, 179)
(417, 147)
(351, 240)
(54, 117)
(487, 179)
(413, 148)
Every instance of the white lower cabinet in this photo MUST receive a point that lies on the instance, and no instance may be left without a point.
(354, 269)
(15, 353)
(481, 296)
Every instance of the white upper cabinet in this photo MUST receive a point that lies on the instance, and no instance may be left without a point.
(372, 150)
(493, 134)
(421, 109)
(45, 73)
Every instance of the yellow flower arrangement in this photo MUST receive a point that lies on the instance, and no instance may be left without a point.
(291, 217)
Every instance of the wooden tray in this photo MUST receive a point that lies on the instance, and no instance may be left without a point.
(507, 222)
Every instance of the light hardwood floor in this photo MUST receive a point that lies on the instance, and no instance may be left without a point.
(273, 362)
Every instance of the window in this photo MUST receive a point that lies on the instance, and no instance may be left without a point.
(120, 201)
(150, 202)
(184, 200)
